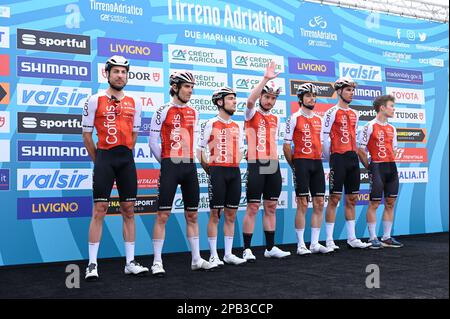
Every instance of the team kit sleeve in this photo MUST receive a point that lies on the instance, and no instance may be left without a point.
(137, 116)
(205, 133)
(249, 113)
(394, 141)
(327, 123)
(155, 132)
(89, 110)
(364, 135)
(289, 131)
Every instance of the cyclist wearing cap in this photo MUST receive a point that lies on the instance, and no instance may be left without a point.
(380, 139)
(339, 140)
(176, 125)
(304, 128)
(263, 171)
(224, 139)
(117, 119)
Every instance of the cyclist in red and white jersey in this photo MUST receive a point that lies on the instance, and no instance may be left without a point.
(304, 129)
(263, 171)
(117, 119)
(175, 124)
(224, 140)
(379, 138)
(339, 139)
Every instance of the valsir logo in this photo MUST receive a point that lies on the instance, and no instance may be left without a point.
(360, 71)
(48, 95)
(53, 179)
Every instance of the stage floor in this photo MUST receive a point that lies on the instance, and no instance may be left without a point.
(418, 270)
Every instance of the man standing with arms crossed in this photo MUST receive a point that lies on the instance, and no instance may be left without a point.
(339, 139)
(380, 139)
(263, 172)
(225, 141)
(117, 120)
(176, 124)
(304, 128)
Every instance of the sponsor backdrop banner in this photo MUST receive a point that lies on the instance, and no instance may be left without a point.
(52, 56)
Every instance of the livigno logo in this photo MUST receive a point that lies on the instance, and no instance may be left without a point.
(53, 41)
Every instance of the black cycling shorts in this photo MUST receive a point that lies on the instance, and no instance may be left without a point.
(344, 172)
(174, 174)
(263, 179)
(224, 187)
(114, 164)
(309, 177)
(383, 177)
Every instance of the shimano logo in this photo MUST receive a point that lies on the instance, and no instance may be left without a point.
(54, 69)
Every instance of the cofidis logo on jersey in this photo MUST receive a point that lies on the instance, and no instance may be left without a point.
(4, 179)
(54, 207)
(53, 41)
(53, 69)
(360, 71)
(53, 179)
(130, 49)
(311, 67)
(197, 56)
(51, 151)
(48, 95)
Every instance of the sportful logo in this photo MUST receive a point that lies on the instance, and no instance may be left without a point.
(360, 71)
(365, 113)
(54, 69)
(53, 179)
(130, 49)
(51, 151)
(311, 67)
(53, 41)
(4, 122)
(49, 123)
(197, 56)
(47, 95)
(407, 96)
(138, 75)
(4, 37)
(254, 61)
